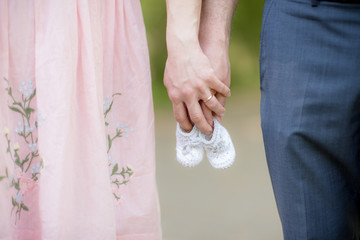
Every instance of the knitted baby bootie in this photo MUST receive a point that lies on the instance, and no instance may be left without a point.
(189, 149)
(219, 148)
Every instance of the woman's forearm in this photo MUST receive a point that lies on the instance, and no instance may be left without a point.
(183, 22)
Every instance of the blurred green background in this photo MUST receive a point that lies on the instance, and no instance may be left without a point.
(244, 46)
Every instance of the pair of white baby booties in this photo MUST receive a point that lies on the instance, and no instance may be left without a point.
(219, 148)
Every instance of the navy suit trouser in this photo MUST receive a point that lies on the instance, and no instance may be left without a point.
(310, 112)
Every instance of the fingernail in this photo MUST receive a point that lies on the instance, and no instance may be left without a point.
(229, 94)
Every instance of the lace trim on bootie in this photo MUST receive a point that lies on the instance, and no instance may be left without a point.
(219, 149)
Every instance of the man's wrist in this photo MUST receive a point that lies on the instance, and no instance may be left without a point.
(214, 36)
(217, 50)
(214, 46)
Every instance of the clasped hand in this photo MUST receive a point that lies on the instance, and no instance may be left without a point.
(190, 80)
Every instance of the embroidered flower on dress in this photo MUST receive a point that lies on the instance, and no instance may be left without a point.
(124, 127)
(107, 103)
(16, 146)
(36, 168)
(119, 177)
(19, 173)
(19, 129)
(18, 197)
(6, 131)
(26, 184)
(111, 159)
(129, 167)
(24, 162)
(27, 88)
(33, 147)
(40, 118)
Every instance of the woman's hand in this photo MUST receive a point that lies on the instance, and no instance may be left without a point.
(189, 78)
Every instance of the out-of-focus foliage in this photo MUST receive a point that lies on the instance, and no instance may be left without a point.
(244, 46)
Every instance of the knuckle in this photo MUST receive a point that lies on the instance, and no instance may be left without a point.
(188, 93)
(199, 85)
(180, 118)
(177, 118)
(174, 96)
(167, 84)
(206, 74)
(187, 127)
(208, 77)
(196, 118)
(204, 92)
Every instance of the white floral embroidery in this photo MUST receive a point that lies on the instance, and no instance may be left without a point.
(18, 197)
(107, 103)
(40, 118)
(27, 88)
(33, 147)
(124, 127)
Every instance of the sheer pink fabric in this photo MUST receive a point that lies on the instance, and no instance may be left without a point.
(76, 119)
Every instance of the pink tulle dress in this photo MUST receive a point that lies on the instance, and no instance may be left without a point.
(76, 118)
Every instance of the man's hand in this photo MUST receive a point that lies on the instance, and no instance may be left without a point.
(219, 58)
(214, 37)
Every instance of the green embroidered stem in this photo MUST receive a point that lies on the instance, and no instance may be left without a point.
(23, 108)
(9, 148)
(33, 155)
(112, 101)
(125, 173)
(111, 139)
(6, 175)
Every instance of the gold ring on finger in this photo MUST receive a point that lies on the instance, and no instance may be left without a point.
(208, 99)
